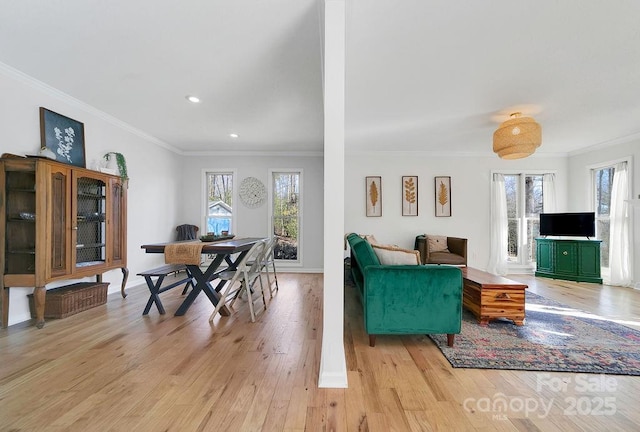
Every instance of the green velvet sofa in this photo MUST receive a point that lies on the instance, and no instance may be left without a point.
(405, 299)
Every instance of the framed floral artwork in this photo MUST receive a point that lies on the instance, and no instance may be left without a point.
(374, 196)
(63, 136)
(409, 195)
(443, 196)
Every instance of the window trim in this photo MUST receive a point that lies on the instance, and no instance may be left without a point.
(514, 267)
(203, 196)
(522, 219)
(300, 172)
(600, 165)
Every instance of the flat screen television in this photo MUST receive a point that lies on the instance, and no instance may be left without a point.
(568, 224)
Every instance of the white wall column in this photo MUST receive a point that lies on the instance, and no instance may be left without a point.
(333, 369)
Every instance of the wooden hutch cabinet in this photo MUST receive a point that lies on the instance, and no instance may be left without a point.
(58, 222)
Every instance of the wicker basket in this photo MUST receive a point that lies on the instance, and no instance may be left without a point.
(71, 299)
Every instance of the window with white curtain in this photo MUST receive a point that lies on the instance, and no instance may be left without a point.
(610, 193)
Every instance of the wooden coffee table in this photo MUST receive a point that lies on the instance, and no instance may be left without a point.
(490, 296)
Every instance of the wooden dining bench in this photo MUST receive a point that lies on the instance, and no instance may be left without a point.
(156, 288)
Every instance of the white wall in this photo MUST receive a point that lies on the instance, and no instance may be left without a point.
(255, 222)
(154, 171)
(470, 196)
(580, 180)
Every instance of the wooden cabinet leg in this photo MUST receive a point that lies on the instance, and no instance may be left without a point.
(372, 340)
(125, 276)
(4, 300)
(39, 295)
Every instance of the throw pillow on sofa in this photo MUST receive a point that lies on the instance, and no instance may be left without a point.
(393, 255)
(437, 243)
(371, 239)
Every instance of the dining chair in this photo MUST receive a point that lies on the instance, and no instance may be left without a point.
(246, 273)
(269, 260)
(187, 232)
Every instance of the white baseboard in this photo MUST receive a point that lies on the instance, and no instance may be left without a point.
(332, 380)
(281, 269)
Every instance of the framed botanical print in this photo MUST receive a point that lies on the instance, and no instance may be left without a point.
(443, 196)
(409, 195)
(62, 135)
(374, 196)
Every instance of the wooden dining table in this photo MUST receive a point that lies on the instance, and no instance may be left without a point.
(224, 250)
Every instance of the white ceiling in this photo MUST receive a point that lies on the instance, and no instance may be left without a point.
(421, 75)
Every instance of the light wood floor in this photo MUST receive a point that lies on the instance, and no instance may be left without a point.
(111, 369)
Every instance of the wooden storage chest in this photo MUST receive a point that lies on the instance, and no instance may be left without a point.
(490, 296)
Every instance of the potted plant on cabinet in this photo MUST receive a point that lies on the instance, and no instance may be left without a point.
(120, 162)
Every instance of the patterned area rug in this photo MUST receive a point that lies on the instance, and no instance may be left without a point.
(554, 338)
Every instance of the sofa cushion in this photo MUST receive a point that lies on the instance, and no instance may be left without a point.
(446, 258)
(393, 255)
(437, 243)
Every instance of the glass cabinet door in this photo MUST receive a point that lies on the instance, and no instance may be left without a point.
(89, 225)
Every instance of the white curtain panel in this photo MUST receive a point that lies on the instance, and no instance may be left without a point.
(549, 193)
(619, 239)
(499, 227)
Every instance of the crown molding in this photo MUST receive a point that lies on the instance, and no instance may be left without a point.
(459, 154)
(254, 153)
(70, 100)
(609, 143)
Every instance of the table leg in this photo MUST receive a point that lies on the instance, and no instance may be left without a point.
(202, 284)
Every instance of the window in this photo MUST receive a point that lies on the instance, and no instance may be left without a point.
(219, 202)
(603, 186)
(524, 204)
(285, 214)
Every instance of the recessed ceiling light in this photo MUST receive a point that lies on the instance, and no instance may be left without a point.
(193, 99)
(234, 135)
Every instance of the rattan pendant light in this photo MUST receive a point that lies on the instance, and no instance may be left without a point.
(517, 137)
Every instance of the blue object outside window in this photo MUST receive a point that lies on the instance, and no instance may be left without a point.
(217, 225)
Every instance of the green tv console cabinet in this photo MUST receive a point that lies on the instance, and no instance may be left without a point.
(575, 260)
